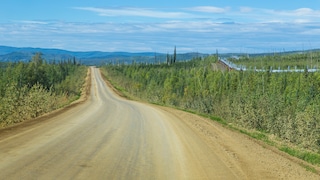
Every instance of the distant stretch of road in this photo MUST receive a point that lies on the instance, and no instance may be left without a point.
(108, 137)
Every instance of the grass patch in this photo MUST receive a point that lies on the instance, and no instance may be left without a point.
(220, 120)
(214, 118)
(310, 157)
(259, 136)
(309, 168)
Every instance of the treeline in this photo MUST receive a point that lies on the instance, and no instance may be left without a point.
(286, 105)
(28, 90)
(283, 61)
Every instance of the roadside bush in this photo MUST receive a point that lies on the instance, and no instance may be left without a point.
(28, 90)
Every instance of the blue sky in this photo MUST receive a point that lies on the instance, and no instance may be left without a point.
(157, 26)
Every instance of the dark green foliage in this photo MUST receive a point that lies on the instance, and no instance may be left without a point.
(175, 55)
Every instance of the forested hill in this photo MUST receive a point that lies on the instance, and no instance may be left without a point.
(89, 58)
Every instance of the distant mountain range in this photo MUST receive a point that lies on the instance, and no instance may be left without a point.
(13, 54)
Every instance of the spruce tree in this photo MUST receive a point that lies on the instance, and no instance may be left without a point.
(175, 55)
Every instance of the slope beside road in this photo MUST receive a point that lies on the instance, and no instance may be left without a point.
(108, 137)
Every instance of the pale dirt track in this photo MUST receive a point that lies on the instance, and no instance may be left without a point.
(108, 137)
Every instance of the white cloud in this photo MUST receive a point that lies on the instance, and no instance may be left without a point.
(304, 11)
(311, 32)
(209, 9)
(243, 14)
(302, 21)
(32, 22)
(202, 28)
(292, 15)
(140, 12)
(245, 9)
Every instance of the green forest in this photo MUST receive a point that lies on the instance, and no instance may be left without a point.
(307, 60)
(283, 105)
(28, 90)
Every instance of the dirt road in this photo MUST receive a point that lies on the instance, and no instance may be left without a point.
(108, 137)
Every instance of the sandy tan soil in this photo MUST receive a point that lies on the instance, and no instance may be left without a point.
(108, 137)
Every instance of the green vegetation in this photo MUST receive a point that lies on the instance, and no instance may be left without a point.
(281, 105)
(28, 90)
(307, 156)
(282, 61)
